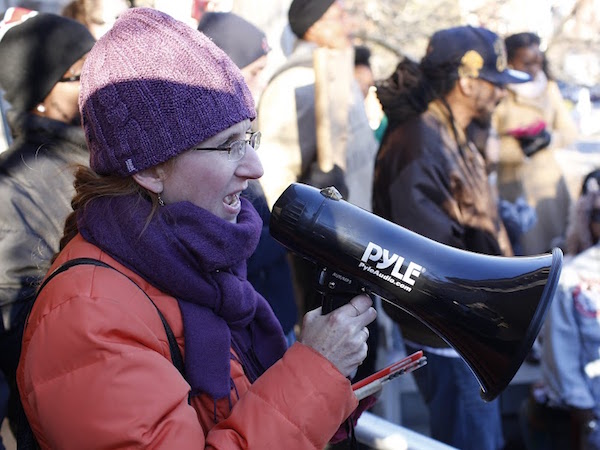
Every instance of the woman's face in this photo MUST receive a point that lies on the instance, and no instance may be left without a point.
(61, 103)
(208, 179)
(333, 28)
(103, 14)
(528, 59)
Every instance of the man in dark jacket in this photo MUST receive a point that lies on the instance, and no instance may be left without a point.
(42, 55)
(431, 179)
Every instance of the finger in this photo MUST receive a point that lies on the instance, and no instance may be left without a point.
(366, 333)
(361, 303)
(357, 306)
(366, 317)
(353, 308)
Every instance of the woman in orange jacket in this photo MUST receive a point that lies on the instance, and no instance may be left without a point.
(167, 118)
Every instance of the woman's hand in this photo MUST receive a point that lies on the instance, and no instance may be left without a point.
(340, 336)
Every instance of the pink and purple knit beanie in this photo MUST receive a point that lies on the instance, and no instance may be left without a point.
(153, 87)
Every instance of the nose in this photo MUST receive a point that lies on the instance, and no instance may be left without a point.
(250, 166)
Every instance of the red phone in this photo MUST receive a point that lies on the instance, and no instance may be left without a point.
(374, 383)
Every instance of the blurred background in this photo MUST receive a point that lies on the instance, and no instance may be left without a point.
(569, 30)
(392, 29)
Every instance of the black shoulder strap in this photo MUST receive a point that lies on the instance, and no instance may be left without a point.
(173, 347)
(25, 438)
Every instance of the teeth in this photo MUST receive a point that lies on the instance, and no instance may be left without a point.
(232, 199)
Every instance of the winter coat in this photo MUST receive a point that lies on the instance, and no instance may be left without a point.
(36, 183)
(286, 116)
(571, 337)
(428, 184)
(95, 372)
(539, 178)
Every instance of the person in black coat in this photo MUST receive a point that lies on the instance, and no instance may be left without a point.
(431, 179)
(42, 56)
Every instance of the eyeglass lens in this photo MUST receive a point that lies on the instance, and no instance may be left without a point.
(255, 140)
(238, 148)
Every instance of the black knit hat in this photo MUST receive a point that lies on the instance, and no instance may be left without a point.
(243, 42)
(35, 53)
(304, 13)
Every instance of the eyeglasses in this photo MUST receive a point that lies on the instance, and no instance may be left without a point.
(71, 78)
(236, 149)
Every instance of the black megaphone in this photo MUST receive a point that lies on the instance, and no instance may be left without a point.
(488, 308)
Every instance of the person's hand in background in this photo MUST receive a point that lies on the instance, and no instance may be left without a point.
(532, 138)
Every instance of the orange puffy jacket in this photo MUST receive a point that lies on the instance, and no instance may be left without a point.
(95, 372)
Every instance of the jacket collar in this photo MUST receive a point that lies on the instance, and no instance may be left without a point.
(437, 109)
(34, 128)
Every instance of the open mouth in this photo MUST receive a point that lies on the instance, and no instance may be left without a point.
(232, 200)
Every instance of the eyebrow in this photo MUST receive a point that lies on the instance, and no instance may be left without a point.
(235, 136)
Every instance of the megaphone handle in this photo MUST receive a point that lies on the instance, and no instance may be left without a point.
(331, 302)
(336, 289)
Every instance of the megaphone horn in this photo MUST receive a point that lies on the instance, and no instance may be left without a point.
(488, 308)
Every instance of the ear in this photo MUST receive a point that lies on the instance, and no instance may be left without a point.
(466, 85)
(309, 35)
(151, 179)
(313, 34)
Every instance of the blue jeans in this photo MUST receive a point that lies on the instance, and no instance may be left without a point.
(457, 414)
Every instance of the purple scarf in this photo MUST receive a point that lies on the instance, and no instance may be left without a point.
(200, 259)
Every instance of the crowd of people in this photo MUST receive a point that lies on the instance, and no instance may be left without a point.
(144, 302)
